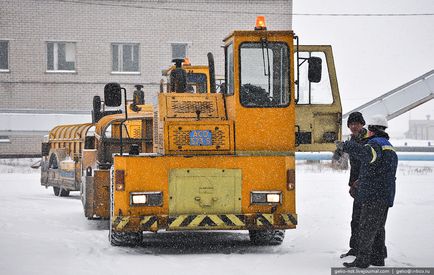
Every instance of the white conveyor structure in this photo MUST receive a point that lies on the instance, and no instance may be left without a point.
(399, 100)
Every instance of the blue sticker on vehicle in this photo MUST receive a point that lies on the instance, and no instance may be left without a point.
(200, 138)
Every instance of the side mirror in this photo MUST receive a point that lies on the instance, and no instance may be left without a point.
(315, 69)
(223, 88)
(112, 95)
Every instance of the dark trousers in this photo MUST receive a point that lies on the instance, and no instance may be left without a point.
(372, 236)
(355, 220)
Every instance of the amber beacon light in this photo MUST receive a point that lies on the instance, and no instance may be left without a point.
(260, 23)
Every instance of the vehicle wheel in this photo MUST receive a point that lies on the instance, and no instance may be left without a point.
(60, 192)
(125, 238)
(267, 237)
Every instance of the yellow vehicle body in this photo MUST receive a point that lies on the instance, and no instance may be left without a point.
(319, 123)
(96, 162)
(78, 157)
(218, 187)
(219, 155)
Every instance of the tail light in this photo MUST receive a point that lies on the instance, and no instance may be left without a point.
(290, 179)
(120, 180)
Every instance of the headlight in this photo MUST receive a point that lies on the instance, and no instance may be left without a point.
(273, 198)
(265, 197)
(146, 198)
(138, 199)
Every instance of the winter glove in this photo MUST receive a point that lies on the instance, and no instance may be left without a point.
(339, 145)
(339, 150)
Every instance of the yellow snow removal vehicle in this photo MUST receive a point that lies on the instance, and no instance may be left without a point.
(226, 161)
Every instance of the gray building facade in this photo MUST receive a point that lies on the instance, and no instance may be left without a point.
(55, 55)
(421, 129)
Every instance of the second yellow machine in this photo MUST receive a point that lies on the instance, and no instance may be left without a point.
(226, 160)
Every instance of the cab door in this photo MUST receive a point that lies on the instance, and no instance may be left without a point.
(318, 105)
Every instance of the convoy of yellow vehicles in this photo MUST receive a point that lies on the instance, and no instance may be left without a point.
(202, 159)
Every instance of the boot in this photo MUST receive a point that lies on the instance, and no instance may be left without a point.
(357, 263)
(351, 252)
(377, 262)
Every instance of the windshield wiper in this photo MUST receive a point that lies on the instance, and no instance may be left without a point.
(264, 45)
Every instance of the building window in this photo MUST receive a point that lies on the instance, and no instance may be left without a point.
(179, 50)
(61, 56)
(5, 139)
(125, 58)
(4, 55)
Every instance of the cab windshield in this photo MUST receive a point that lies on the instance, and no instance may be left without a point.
(264, 74)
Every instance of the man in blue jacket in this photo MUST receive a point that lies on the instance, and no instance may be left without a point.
(359, 134)
(376, 191)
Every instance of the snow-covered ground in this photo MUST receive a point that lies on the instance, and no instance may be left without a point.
(44, 234)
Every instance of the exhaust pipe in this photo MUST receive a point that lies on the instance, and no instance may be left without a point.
(211, 72)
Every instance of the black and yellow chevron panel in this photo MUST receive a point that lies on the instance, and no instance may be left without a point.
(226, 221)
(198, 222)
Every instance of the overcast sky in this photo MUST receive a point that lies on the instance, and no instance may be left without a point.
(373, 55)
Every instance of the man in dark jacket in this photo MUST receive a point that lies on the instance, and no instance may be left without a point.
(359, 134)
(376, 191)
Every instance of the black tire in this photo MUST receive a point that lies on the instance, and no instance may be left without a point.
(267, 237)
(125, 238)
(60, 192)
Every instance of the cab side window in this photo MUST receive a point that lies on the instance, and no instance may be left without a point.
(314, 93)
(229, 72)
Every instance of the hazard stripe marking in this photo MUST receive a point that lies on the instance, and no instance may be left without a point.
(212, 220)
(238, 220)
(207, 222)
(176, 221)
(124, 221)
(191, 221)
(187, 220)
(116, 221)
(289, 219)
(217, 220)
(148, 221)
(225, 219)
(222, 220)
(203, 221)
(195, 222)
(242, 218)
(265, 219)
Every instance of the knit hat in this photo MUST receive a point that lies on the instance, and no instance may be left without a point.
(355, 117)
